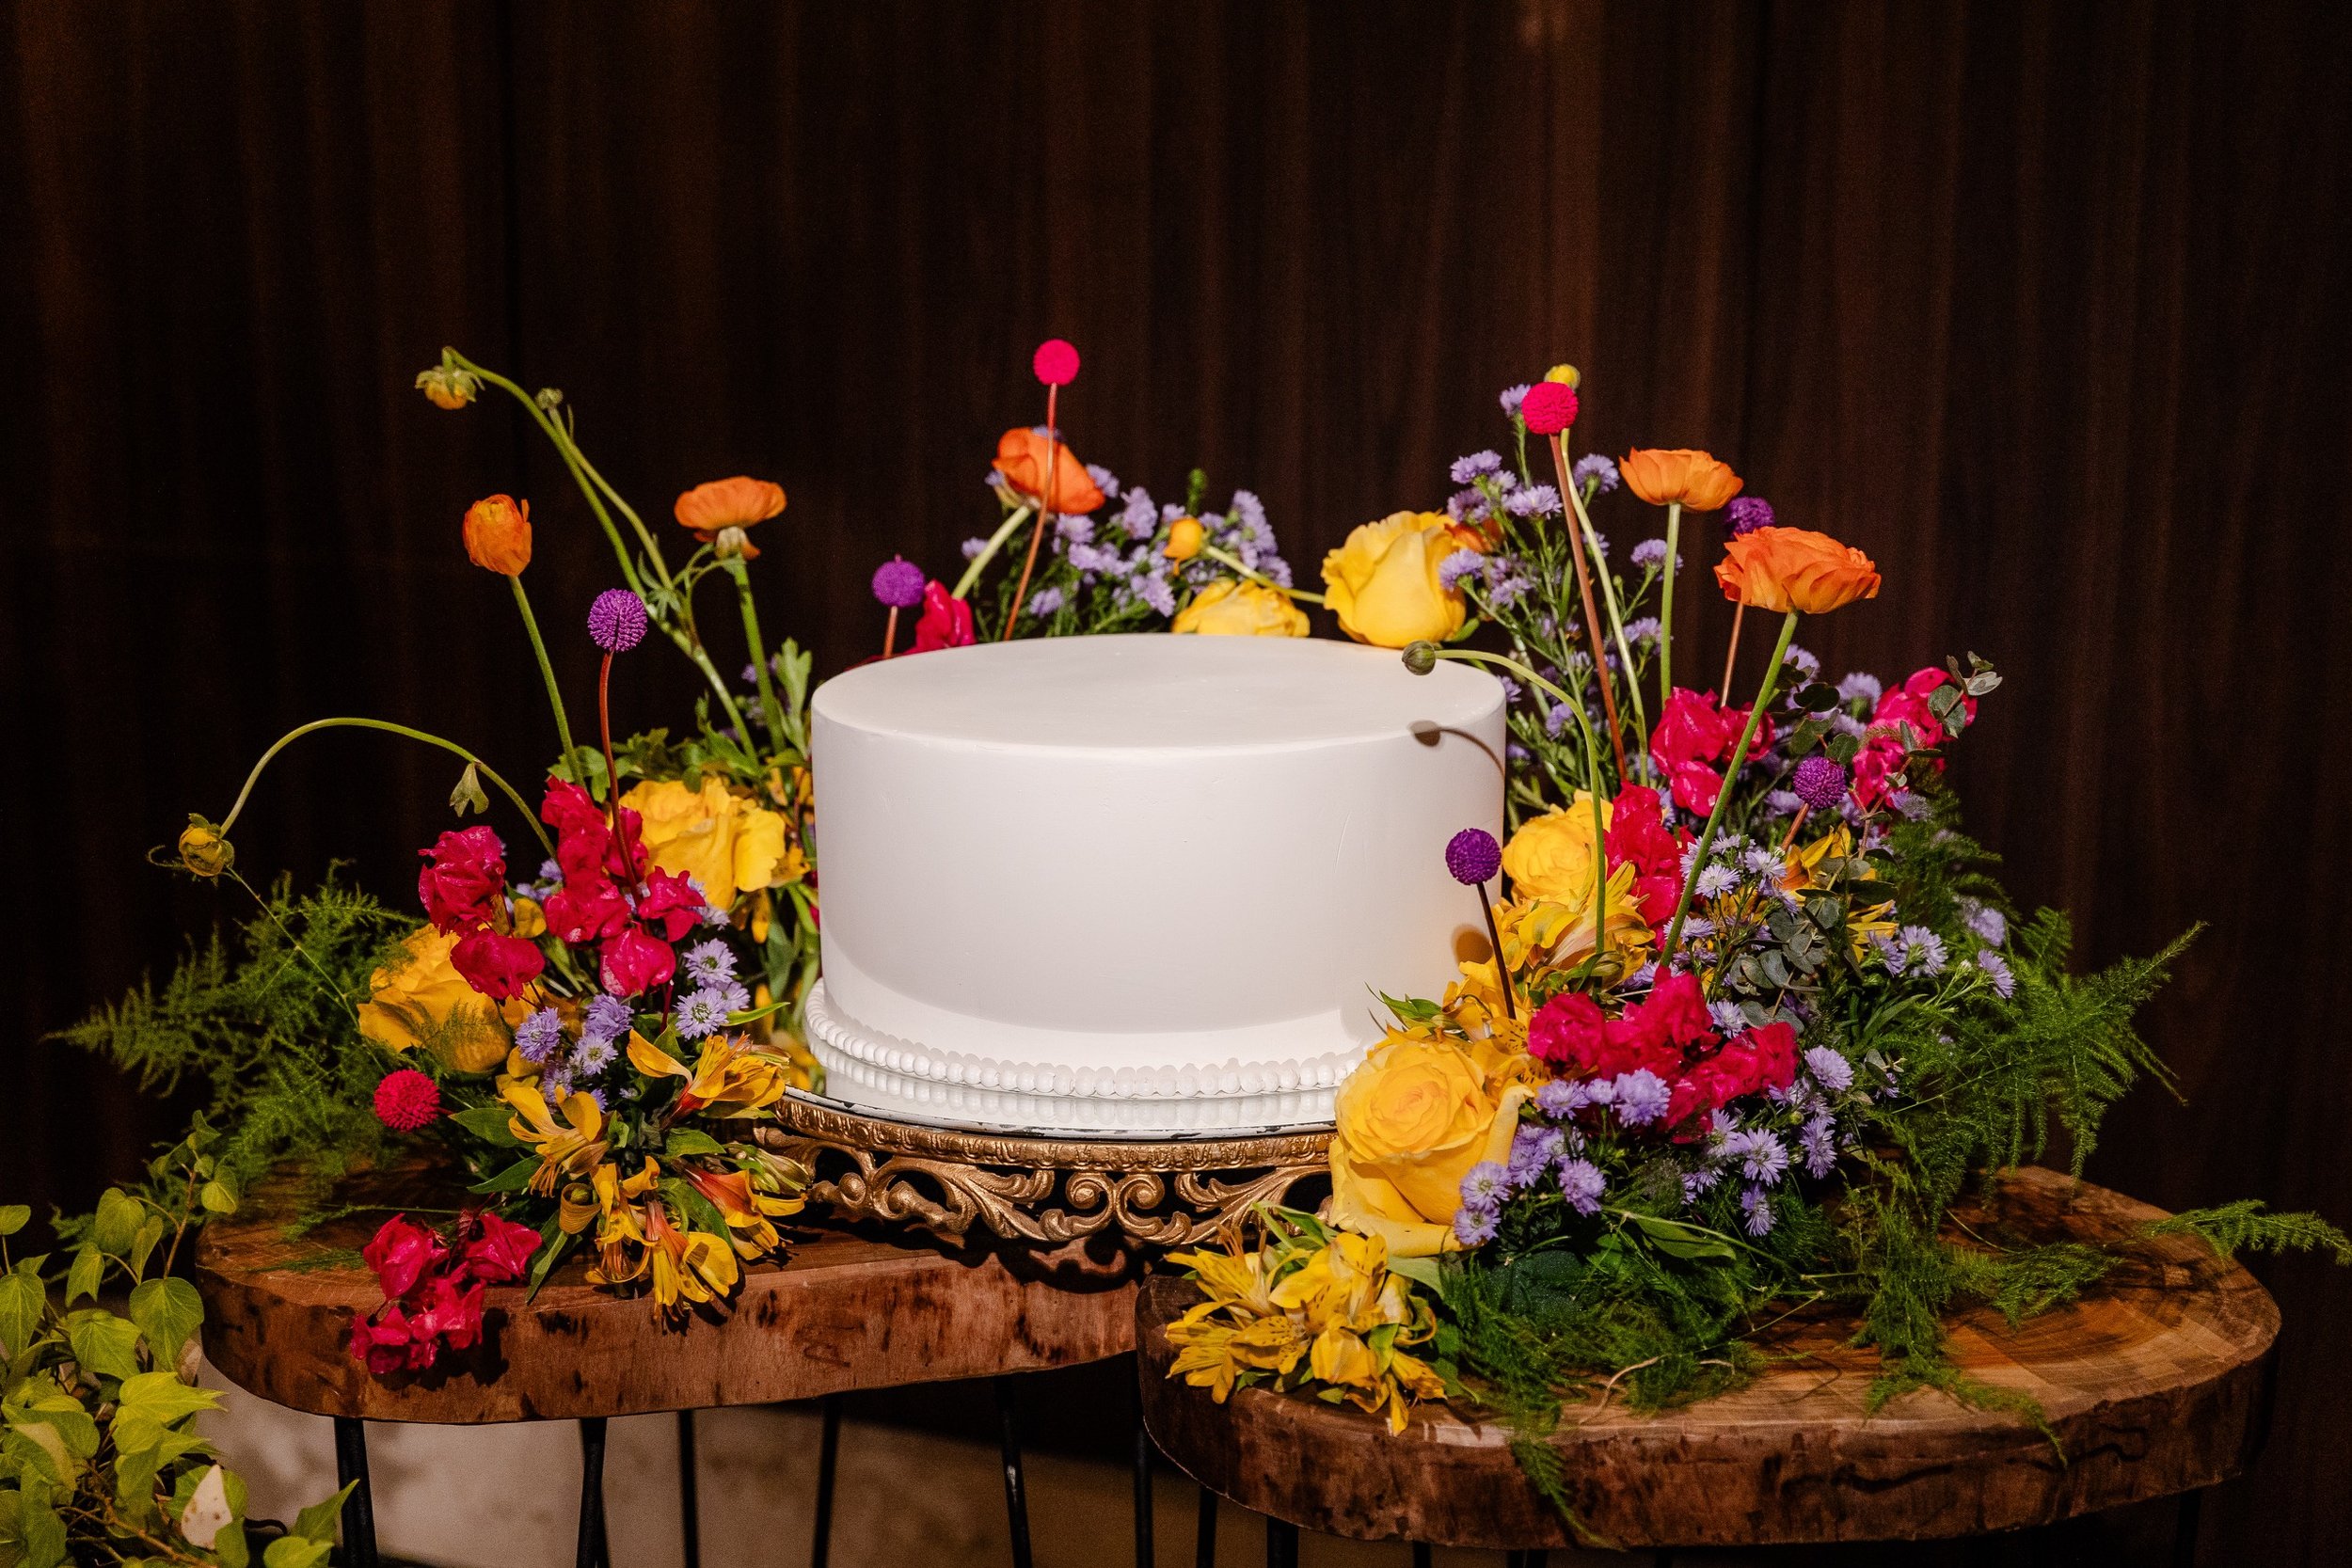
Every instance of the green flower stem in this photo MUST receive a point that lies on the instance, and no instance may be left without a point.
(1722, 796)
(1013, 519)
(546, 671)
(1666, 608)
(1233, 562)
(1617, 625)
(1592, 774)
(770, 709)
(290, 735)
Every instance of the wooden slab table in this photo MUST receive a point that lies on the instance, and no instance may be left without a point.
(2155, 1383)
(846, 1311)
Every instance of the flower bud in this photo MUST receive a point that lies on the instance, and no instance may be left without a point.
(1421, 656)
(576, 1208)
(498, 534)
(203, 850)
(449, 387)
(728, 544)
(1565, 375)
(1184, 539)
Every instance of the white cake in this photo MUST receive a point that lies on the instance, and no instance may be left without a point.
(1140, 883)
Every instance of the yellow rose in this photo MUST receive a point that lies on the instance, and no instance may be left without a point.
(726, 843)
(1235, 608)
(1412, 1118)
(1383, 583)
(425, 1001)
(1552, 856)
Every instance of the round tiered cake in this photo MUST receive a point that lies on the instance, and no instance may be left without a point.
(1136, 884)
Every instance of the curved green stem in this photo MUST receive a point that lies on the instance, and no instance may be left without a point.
(1013, 519)
(769, 710)
(1666, 608)
(1233, 562)
(546, 671)
(290, 735)
(1722, 796)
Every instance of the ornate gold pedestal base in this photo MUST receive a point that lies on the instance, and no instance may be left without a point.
(1048, 1191)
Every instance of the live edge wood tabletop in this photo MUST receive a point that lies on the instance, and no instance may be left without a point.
(2155, 1382)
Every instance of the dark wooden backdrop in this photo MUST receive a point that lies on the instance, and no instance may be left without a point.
(2044, 306)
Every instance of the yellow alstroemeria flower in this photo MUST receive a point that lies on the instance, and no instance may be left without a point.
(1212, 1356)
(688, 1266)
(572, 1147)
(728, 1080)
(1347, 1284)
(1231, 1279)
(744, 1208)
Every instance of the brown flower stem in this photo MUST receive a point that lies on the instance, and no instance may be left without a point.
(1722, 796)
(890, 633)
(1046, 497)
(547, 670)
(1731, 654)
(612, 772)
(1494, 934)
(1591, 624)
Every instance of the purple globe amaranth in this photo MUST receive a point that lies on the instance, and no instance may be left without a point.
(1473, 857)
(1746, 514)
(898, 583)
(617, 622)
(1820, 781)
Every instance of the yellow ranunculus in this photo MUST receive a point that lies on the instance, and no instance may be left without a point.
(1551, 855)
(1382, 583)
(425, 1001)
(1412, 1118)
(725, 843)
(1235, 608)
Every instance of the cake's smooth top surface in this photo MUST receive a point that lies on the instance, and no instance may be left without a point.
(1153, 692)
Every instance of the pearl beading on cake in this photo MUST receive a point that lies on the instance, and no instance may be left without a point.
(1316, 1076)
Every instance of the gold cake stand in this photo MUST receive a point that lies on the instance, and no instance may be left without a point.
(1050, 1192)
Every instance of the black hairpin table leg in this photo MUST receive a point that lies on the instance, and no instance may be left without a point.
(1143, 1494)
(828, 1460)
(2184, 1529)
(1016, 1485)
(1281, 1544)
(592, 1552)
(1421, 1556)
(359, 1518)
(1204, 1532)
(689, 1496)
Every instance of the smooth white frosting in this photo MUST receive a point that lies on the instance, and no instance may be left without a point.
(1139, 869)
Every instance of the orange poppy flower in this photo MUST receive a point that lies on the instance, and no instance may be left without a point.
(498, 534)
(1693, 478)
(1021, 461)
(1793, 568)
(736, 503)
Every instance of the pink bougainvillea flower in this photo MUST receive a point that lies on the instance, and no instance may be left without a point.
(635, 962)
(946, 621)
(500, 1254)
(497, 965)
(400, 1253)
(464, 881)
(672, 904)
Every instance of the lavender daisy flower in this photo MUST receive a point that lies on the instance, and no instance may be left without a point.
(1533, 1150)
(594, 1056)
(1155, 592)
(1484, 1186)
(1641, 1097)
(1536, 500)
(1105, 480)
(1475, 1227)
(1140, 517)
(1759, 1208)
(1650, 553)
(550, 873)
(1454, 567)
(1581, 1184)
(1830, 1069)
(711, 961)
(1514, 751)
(1819, 1143)
(1560, 1097)
(1642, 630)
(1759, 862)
(1075, 527)
(1600, 1091)
(1728, 1018)
(607, 1019)
(555, 1083)
(1990, 925)
(1714, 881)
(1698, 1182)
(1508, 591)
(1045, 601)
(1595, 467)
(702, 1012)
(539, 1037)
(1765, 1159)
(971, 548)
(1510, 399)
(1467, 470)
(1889, 948)
(1923, 951)
(1996, 969)
(1555, 719)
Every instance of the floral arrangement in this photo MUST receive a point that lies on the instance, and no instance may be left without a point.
(1753, 1014)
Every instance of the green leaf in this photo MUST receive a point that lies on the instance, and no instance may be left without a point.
(686, 1140)
(489, 1123)
(514, 1179)
(134, 1485)
(219, 1197)
(83, 1278)
(167, 1310)
(317, 1522)
(143, 1246)
(699, 1212)
(150, 1405)
(1424, 1271)
(117, 1224)
(469, 794)
(1677, 1240)
(14, 1217)
(103, 1344)
(553, 1244)
(21, 1303)
(295, 1551)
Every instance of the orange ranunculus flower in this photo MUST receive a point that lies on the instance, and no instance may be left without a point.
(1020, 462)
(498, 534)
(1793, 568)
(736, 503)
(1693, 478)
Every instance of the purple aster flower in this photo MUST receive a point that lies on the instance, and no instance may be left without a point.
(1923, 951)
(608, 1019)
(1829, 1069)
(1510, 399)
(1581, 1184)
(1641, 1097)
(1759, 1208)
(539, 1037)
(1996, 969)
(1508, 591)
(1728, 1018)
(594, 1056)
(1641, 631)
(1475, 1227)
(1819, 1143)
(971, 548)
(1860, 688)
(1535, 1149)
(550, 882)
(555, 1083)
(1075, 527)
(898, 583)
(1454, 567)
(1820, 781)
(1990, 925)
(1484, 1186)
(1473, 857)
(1746, 514)
(711, 961)
(1714, 881)
(1105, 480)
(1468, 470)
(617, 622)
(1468, 506)
(1140, 516)
(1086, 558)
(1697, 1181)
(1514, 751)
(702, 1012)
(1155, 592)
(1763, 1159)
(1536, 500)
(1650, 553)
(1045, 601)
(1600, 1091)
(1590, 469)
(1560, 1098)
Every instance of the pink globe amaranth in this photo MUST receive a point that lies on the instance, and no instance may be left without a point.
(407, 1101)
(1549, 408)
(1055, 362)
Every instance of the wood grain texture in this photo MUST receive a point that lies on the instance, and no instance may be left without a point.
(2155, 1383)
(844, 1312)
